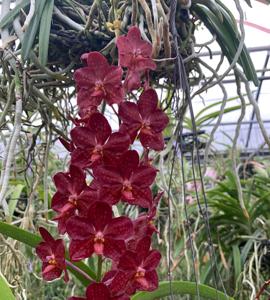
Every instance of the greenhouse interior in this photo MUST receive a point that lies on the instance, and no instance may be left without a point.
(135, 149)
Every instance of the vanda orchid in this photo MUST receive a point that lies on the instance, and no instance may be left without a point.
(104, 170)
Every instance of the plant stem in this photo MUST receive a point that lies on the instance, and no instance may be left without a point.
(71, 265)
(99, 268)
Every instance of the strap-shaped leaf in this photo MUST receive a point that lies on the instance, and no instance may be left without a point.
(33, 240)
(211, 116)
(5, 290)
(245, 60)
(14, 197)
(227, 34)
(181, 288)
(236, 262)
(9, 17)
(44, 32)
(32, 29)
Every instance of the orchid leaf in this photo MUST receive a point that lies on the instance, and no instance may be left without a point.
(32, 29)
(14, 197)
(181, 288)
(44, 31)
(5, 290)
(10, 16)
(227, 34)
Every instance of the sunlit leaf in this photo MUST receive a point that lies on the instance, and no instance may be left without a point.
(5, 290)
(181, 288)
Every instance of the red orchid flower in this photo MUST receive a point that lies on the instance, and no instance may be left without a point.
(96, 143)
(52, 254)
(100, 291)
(98, 233)
(144, 224)
(129, 181)
(140, 267)
(95, 291)
(73, 196)
(98, 81)
(144, 119)
(134, 54)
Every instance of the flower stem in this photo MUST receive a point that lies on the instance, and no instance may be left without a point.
(72, 266)
(99, 268)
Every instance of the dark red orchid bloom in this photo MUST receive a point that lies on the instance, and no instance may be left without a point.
(96, 143)
(144, 119)
(98, 81)
(52, 254)
(100, 291)
(134, 54)
(67, 144)
(129, 181)
(144, 224)
(73, 196)
(95, 291)
(98, 233)
(140, 267)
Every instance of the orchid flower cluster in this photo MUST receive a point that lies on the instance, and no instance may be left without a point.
(85, 210)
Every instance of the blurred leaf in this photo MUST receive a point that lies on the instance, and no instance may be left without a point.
(227, 35)
(44, 31)
(5, 290)
(236, 262)
(245, 59)
(215, 114)
(215, 104)
(32, 29)
(246, 249)
(14, 197)
(181, 288)
(8, 18)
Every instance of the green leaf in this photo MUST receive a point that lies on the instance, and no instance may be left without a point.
(19, 234)
(212, 5)
(5, 290)
(245, 59)
(33, 240)
(215, 114)
(227, 34)
(14, 197)
(9, 17)
(32, 29)
(44, 31)
(236, 262)
(181, 288)
(213, 105)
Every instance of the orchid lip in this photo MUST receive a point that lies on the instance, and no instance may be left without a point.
(96, 153)
(99, 243)
(99, 237)
(99, 87)
(127, 185)
(73, 200)
(127, 190)
(140, 272)
(51, 260)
